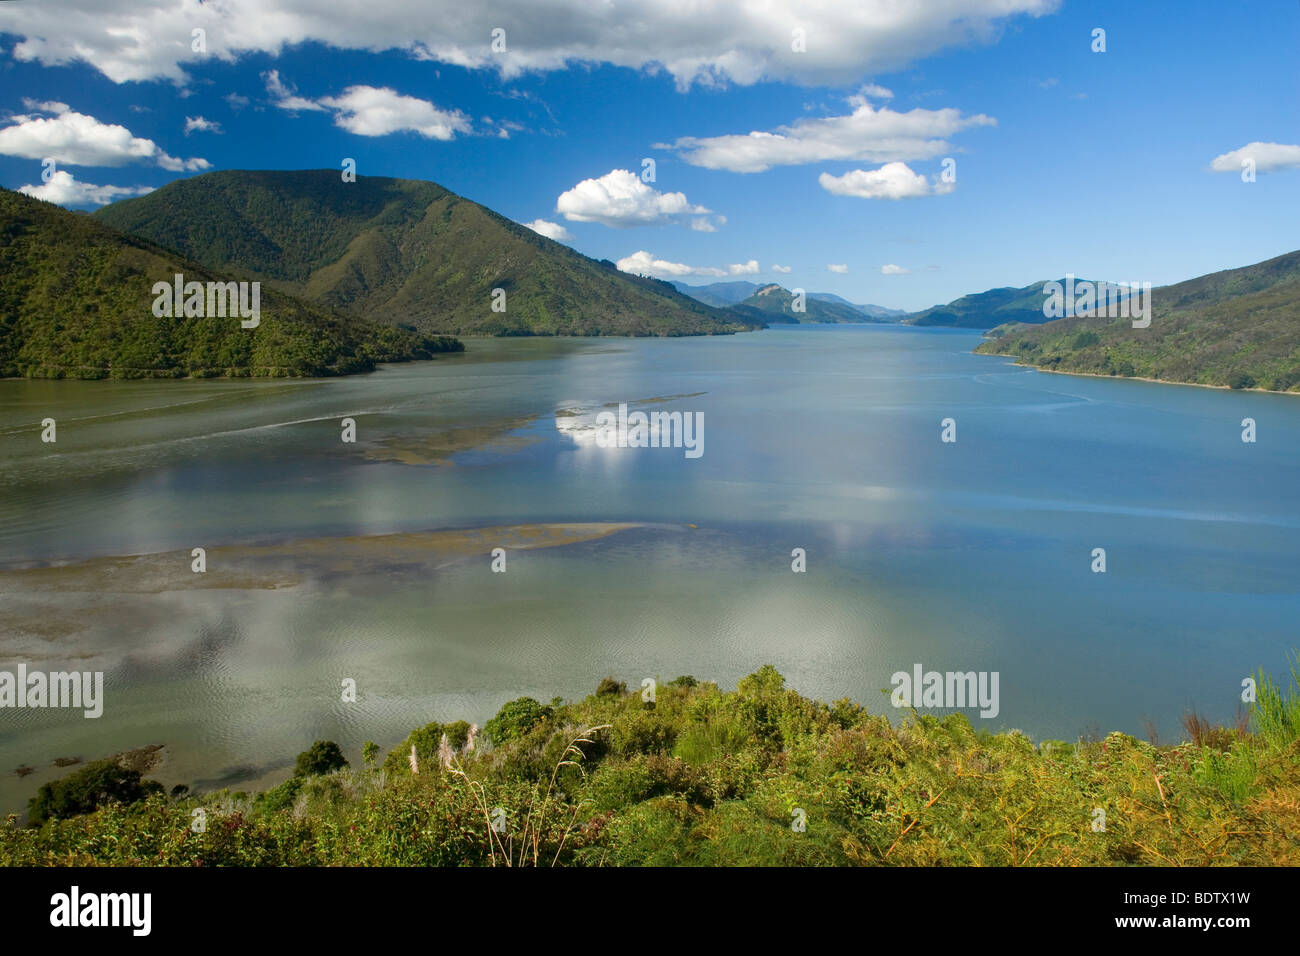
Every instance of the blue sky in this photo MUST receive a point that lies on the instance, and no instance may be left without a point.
(1066, 159)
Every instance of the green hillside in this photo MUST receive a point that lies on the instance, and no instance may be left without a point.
(405, 252)
(867, 309)
(719, 294)
(725, 294)
(76, 302)
(1239, 328)
(984, 310)
(775, 304)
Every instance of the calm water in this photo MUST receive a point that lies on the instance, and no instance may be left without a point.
(967, 556)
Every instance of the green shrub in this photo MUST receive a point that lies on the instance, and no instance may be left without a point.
(426, 740)
(324, 756)
(516, 719)
(279, 798)
(609, 687)
(90, 788)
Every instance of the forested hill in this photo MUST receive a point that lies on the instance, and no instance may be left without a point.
(406, 252)
(76, 301)
(776, 304)
(984, 310)
(1239, 328)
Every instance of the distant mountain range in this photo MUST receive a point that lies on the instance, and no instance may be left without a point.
(405, 252)
(984, 310)
(1239, 328)
(363, 272)
(726, 294)
(77, 301)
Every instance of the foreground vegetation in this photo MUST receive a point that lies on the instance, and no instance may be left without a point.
(76, 301)
(759, 776)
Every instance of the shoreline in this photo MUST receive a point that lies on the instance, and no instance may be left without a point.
(1137, 378)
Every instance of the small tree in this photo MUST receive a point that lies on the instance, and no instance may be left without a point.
(90, 788)
(324, 756)
(515, 719)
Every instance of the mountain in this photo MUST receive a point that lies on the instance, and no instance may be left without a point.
(718, 294)
(77, 301)
(871, 311)
(724, 294)
(984, 310)
(1239, 328)
(405, 252)
(774, 303)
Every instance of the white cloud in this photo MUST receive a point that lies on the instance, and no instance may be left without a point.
(506, 127)
(374, 110)
(839, 267)
(1268, 157)
(44, 106)
(706, 43)
(286, 95)
(891, 181)
(66, 191)
(80, 140)
(867, 134)
(236, 101)
(893, 270)
(643, 263)
(705, 224)
(620, 199)
(551, 230)
(782, 269)
(193, 123)
(378, 111)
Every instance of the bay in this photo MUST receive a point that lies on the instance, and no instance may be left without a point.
(972, 555)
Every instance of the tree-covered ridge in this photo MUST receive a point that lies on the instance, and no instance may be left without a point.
(777, 304)
(76, 301)
(1238, 328)
(405, 252)
(984, 310)
(699, 776)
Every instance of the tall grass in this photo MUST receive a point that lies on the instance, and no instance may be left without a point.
(1276, 711)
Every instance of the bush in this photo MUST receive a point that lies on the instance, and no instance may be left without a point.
(609, 687)
(90, 788)
(281, 797)
(426, 740)
(515, 719)
(324, 756)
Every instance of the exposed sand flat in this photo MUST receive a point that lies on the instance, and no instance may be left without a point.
(269, 566)
(439, 447)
